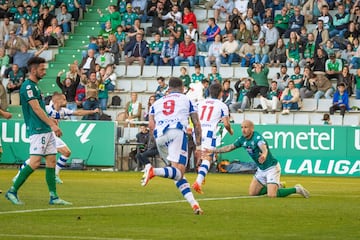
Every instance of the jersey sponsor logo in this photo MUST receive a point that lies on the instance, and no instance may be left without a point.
(84, 130)
(30, 93)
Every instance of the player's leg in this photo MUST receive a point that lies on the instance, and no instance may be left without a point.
(65, 153)
(20, 169)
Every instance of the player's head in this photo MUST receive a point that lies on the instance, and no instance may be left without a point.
(215, 90)
(59, 98)
(247, 128)
(36, 67)
(176, 85)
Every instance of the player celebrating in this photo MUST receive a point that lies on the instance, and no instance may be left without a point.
(57, 110)
(211, 111)
(267, 176)
(168, 119)
(41, 129)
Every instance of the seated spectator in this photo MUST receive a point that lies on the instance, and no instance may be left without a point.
(53, 34)
(73, 71)
(73, 8)
(228, 51)
(105, 32)
(333, 66)
(228, 93)
(347, 54)
(175, 29)
(162, 88)
(185, 78)
(4, 61)
(68, 88)
(306, 91)
(321, 35)
(106, 82)
(157, 23)
(293, 50)
(91, 97)
(247, 53)
(290, 98)
(175, 15)
(169, 51)
(192, 32)
(46, 16)
(320, 59)
(139, 7)
(262, 52)
(24, 31)
(223, 9)
(297, 77)
(133, 110)
(5, 28)
(214, 76)
(113, 16)
(16, 77)
(81, 91)
(340, 100)
(282, 21)
(38, 33)
(340, 22)
(87, 64)
(326, 119)
(31, 16)
(189, 17)
(149, 151)
(49, 5)
(321, 85)
(308, 52)
(104, 58)
(260, 75)
(258, 10)
(136, 50)
(296, 21)
(20, 13)
(271, 35)
(351, 33)
(242, 87)
(348, 79)
(325, 17)
(211, 31)
(187, 51)
(257, 34)
(202, 48)
(151, 101)
(120, 37)
(141, 137)
(242, 34)
(135, 29)
(357, 84)
(155, 48)
(311, 10)
(329, 48)
(197, 76)
(235, 19)
(272, 100)
(278, 53)
(4, 8)
(226, 30)
(214, 53)
(112, 47)
(129, 17)
(282, 78)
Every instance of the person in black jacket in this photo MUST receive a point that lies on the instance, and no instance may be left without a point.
(136, 50)
(68, 88)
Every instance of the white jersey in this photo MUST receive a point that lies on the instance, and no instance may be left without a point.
(211, 111)
(171, 112)
(63, 113)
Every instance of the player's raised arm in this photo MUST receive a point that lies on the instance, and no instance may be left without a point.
(82, 112)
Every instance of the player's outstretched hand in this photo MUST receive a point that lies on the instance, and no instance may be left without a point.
(96, 110)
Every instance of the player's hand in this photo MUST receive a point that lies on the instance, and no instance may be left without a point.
(7, 115)
(262, 158)
(56, 130)
(96, 110)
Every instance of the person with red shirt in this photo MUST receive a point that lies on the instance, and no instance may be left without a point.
(187, 50)
(189, 17)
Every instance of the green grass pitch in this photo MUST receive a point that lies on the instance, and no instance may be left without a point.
(113, 205)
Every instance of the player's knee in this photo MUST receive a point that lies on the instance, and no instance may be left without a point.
(272, 195)
(253, 193)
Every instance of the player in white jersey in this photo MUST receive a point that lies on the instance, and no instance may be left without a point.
(211, 112)
(168, 119)
(57, 110)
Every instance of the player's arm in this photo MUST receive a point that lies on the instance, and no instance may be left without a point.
(264, 152)
(5, 114)
(44, 117)
(224, 149)
(197, 128)
(227, 125)
(82, 112)
(151, 123)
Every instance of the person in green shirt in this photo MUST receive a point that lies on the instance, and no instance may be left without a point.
(113, 16)
(267, 177)
(261, 83)
(42, 131)
(197, 76)
(309, 51)
(185, 78)
(281, 21)
(129, 17)
(155, 48)
(106, 31)
(357, 84)
(214, 76)
(297, 77)
(333, 66)
(293, 50)
(173, 28)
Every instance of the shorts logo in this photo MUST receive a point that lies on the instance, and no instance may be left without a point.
(83, 131)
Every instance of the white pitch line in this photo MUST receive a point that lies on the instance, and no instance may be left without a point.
(121, 205)
(58, 237)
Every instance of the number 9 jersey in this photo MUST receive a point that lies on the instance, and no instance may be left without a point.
(171, 112)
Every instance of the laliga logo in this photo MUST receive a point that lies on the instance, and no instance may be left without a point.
(84, 131)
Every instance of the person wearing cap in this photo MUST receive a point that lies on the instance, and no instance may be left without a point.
(129, 17)
(271, 34)
(340, 100)
(333, 66)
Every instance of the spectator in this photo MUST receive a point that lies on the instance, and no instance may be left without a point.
(104, 58)
(197, 76)
(247, 53)
(73, 71)
(113, 16)
(155, 48)
(321, 35)
(192, 32)
(150, 6)
(139, 7)
(24, 31)
(105, 32)
(46, 16)
(214, 53)
(169, 51)
(38, 33)
(141, 137)
(296, 21)
(47, 4)
(151, 101)
(20, 13)
(185, 78)
(321, 85)
(260, 75)
(106, 83)
(319, 60)
(272, 100)
(81, 91)
(4, 61)
(278, 53)
(175, 29)
(133, 110)
(351, 33)
(5, 29)
(282, 21)
(309, 51)
(293, 50)
(149, 151)
(228, 51)
(357, 84)
(174, 15)
(355, 61)
(223, 9)
(242, 87)
(30, 16)
(212, 30)
(235, 19)
(228, 93)
(16, 77)
(135, 29)
(348, 79)
(282, 78)
(290, 98)
(129, 17)
(243, 34)
(157, 23)
(258, 8)
(333, 66)
(136, 50)
(120, 37)
(187, 51)
(305, 90)
(257, 34)
(91, 97)
(73, 8)
(340, 23)
(112, 47)
(297, 77)
(53, 34)
(68, 88)
(312, 10)
(262, 52)
(162, 88)
(271, 35)
(325, 17)
(329, 48)
(355, 16)
(326, 119)
(202, 47)
(214, 76)
(226, 30)
(347, 54)
(87, 64)
(340, 100)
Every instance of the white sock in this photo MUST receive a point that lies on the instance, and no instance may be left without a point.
(168, 172)
(202, 171)
(60, 164)
(184, 188)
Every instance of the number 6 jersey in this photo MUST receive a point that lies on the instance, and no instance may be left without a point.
(171, 112)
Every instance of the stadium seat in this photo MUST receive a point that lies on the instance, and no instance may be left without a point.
(201, 14)
(336, 120)
(240, 72)
(226, 72)
(354, 102)
(286, 119)
(301, 119)
(206, 71)
(139, 85)
(237, 117)
(120, 70)
(252, 116)
(308, 105)
(316, 119)
(210, 13)
(351, 119)
(324, 105)
(151, 86)
(149, 72)
(268, 118)
(133, 71)
(165, 71)
(124, 84)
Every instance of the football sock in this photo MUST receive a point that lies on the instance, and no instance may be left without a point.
(263, 191)
(60, 164)
(168, 172)
(22, 167)
(202, 171)
(50, 180)
(24, 174)
(184, 188)
(284, 192)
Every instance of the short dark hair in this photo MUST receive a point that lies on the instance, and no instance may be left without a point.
(215, 90)
(161, 79)
(175, 83)
(35, 62)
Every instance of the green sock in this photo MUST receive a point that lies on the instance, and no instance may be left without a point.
(50, 180)
(284, 192)
(263, 191)
(24, 174)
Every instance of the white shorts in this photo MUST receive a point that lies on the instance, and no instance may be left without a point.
(173, 146)
(270, 175)
(43, 144)
(59, 142)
